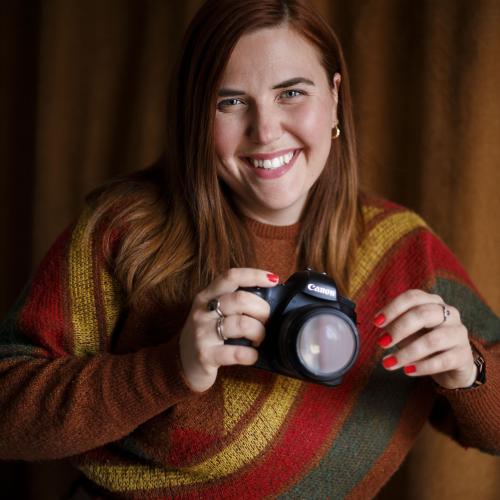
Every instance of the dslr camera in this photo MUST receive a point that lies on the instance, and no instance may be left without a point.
(311, 333)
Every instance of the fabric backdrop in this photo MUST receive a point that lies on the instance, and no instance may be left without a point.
(82, 98)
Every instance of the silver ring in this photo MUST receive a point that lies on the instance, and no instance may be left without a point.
(214, 305)
(446, 313)
(219, 326)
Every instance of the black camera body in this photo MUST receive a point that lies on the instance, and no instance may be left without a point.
(311, 333)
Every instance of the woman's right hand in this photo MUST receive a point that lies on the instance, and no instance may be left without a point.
(202, 351)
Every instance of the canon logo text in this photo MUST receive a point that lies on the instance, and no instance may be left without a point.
(320, 289)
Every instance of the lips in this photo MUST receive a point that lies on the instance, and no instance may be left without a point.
(262, 164)
(270, 156)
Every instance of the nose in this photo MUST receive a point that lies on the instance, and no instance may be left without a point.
(265, 125)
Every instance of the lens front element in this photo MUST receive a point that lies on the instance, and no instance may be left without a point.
(326, 344)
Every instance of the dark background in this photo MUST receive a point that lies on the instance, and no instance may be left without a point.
(82, 98)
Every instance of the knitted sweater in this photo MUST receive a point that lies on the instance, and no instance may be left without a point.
(82, 376)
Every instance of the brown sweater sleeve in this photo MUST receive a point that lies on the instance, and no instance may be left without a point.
(57, 408)
(474, 419)
(62, 390)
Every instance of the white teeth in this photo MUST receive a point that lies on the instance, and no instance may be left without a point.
(277, 162)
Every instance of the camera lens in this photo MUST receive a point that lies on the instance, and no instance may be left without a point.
(326, 344)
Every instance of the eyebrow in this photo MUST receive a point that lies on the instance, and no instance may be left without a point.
(287, 83)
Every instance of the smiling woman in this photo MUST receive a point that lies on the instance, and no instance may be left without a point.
(273, 138)
(131, 349)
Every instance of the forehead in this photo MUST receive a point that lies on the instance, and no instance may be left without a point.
(271, 53)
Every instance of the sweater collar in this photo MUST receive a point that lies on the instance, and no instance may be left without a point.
(268, 231)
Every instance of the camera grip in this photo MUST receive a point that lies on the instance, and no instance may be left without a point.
(260, 292)
(244, 342)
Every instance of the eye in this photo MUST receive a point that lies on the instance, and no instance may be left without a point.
(291, 93)
(225, 104)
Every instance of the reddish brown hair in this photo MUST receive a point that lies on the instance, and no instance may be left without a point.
(182, 227)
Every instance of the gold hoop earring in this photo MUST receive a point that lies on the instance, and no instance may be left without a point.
(336, 133)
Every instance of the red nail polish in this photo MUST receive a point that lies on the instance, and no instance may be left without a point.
(390, 361)
(379, 320)
(410, 369)
(273, 277)
(385, 340)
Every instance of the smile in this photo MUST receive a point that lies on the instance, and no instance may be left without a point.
(272, 165)
(271, 161)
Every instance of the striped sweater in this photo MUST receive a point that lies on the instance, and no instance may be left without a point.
(82, 376)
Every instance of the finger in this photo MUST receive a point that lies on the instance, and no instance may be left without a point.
(228, 355)
(453, 359)
(402, 303)
(235, 278)
(242, 326)
(242, 302)
(428, 344)
(424, 316)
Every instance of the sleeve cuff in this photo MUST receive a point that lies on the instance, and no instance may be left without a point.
(477, 409)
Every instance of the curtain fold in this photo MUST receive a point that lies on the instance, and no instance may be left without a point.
(83, 98)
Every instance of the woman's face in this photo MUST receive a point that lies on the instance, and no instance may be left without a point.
(273, 124)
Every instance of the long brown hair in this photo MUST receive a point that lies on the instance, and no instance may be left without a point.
(182, 228)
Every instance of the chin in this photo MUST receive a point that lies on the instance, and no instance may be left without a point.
(289, 199)
(287, 213)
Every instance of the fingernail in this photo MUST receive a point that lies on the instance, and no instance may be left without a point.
(410, 369)
(379, 320)
(385, 340)
(389, 361)
(273, 277)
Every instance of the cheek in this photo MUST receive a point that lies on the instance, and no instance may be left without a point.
(316, 119)
(314, 124)
(219, 139)
(226, 137)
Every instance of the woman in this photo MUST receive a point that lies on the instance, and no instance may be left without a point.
(115, 355)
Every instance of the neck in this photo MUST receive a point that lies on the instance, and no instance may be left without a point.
(283, 217)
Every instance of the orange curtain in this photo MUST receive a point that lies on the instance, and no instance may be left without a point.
(82, 98)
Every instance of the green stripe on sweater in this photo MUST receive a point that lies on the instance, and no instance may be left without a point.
(363, 438)
(10, 334)
(481, 322)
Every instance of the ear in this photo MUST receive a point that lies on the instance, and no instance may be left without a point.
(336, 86)
(335, 93)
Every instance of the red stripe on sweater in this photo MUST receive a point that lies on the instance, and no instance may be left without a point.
(43, 316)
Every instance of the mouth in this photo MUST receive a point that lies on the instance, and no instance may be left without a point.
(272, 161)
(272, 165)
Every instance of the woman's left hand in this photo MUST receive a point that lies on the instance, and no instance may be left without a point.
(431, 339)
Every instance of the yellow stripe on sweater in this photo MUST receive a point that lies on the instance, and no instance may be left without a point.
(111, 300)
(378, 242)
(369, 212)
(81, 288)
(239, 397)
(246, 447)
